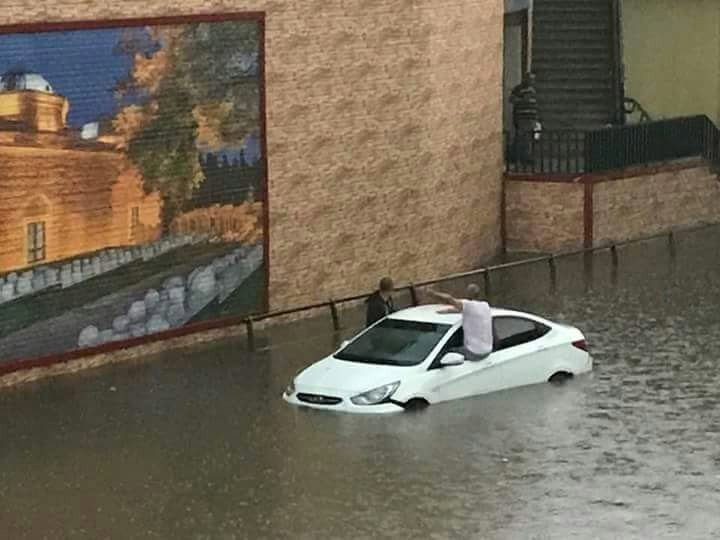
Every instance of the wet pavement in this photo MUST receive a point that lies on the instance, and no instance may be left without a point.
(197, 444)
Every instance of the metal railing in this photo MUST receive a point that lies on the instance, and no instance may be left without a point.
(651, 142)
(486, 273)
(632, 106)
(614, 147)
(547, 152)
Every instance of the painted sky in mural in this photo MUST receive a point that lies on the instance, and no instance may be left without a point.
(86, 66)
(132, 191)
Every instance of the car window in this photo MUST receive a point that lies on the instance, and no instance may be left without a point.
(395, 342)
(513, 331)
(456, 341)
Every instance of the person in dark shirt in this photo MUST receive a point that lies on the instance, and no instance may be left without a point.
(380, 303)
(525, 116)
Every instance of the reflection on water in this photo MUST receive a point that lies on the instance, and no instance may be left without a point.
(198, 444)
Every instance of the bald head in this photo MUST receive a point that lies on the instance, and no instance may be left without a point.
(472, 292)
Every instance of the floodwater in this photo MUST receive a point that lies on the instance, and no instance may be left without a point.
(198, 444)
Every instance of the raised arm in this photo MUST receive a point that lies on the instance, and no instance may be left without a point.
(445, 298)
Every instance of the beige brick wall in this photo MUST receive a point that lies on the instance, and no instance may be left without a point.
(645, 205)
(544, 216)
(383, 126)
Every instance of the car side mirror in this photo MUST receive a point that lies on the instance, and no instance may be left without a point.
(452, 359)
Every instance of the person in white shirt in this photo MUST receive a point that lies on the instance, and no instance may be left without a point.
(476, 321)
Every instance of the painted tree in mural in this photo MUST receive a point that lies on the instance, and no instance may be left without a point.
(191, 89)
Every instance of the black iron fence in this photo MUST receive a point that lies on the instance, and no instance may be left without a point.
(613, 148)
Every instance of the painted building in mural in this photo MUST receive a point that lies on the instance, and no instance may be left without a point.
(131, 183)
(62, 196)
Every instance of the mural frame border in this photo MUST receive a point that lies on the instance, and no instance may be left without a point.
(259, 17)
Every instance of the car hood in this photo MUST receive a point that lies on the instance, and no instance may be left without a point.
(342, 376)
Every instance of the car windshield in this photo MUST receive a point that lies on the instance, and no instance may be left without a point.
(395, 342)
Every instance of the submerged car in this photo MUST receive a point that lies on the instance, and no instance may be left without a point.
(407, 359)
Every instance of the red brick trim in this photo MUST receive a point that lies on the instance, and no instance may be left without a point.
(62, 26)
(75, 354)
(596, 178)
(264, 150)
(588, 221)
(547, 179)
(503, 217)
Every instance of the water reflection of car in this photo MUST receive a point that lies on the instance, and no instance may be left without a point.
(407, 360)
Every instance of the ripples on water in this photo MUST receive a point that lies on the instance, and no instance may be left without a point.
(198, 444)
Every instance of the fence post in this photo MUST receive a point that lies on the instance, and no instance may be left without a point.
(488, 283)
(413, 295)
(615, 264)
(672, 250)
(553, 273)
(250, 334)
(334, 315)
(589, 268)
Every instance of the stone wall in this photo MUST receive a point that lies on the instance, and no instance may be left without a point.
(543, 216)
(383, 133)
(647, 204)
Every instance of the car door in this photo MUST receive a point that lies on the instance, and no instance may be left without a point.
(518, 359)
(451, 382)
(521, 355)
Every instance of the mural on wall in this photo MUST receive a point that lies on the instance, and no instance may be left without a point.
(132, 181)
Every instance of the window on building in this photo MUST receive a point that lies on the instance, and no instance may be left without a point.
(134, 221)
(135, 216)
(36, 242)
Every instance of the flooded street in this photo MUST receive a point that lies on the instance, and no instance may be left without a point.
(199, 445)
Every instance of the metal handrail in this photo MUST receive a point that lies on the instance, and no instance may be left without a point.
(486, 271)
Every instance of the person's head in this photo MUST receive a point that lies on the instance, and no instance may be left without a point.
(472, 292)
(386, 286)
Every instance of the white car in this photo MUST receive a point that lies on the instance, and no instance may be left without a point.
(406, 360)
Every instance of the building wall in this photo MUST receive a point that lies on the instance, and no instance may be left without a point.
(671, 50)
(550, 216)
(72, 192)
(652, 203)
(543, 216)
(383, 134)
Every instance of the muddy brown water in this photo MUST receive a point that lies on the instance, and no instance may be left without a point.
(197, 444)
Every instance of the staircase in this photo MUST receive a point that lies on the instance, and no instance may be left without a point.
(576, 59)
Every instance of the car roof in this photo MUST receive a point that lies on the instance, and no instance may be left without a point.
(429, 313)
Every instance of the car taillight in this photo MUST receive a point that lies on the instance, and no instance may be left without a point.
(581, 344)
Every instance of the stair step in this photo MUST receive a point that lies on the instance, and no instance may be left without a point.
(543, 8)
(577, 98)
(573, 92)
(574, 108)
(580, 64)
(571, 52)
(553, 47)
(571, 16)
(571, 31)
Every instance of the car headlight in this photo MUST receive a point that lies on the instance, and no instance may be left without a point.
(376, 395)
(290, 390)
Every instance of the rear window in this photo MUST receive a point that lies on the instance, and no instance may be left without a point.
(395, 342)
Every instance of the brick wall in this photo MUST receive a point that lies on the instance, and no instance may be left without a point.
(383, 131)
(652, 203)
(548, 215)
(543, 216)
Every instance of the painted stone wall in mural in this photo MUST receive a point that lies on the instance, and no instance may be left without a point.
(131, 182)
